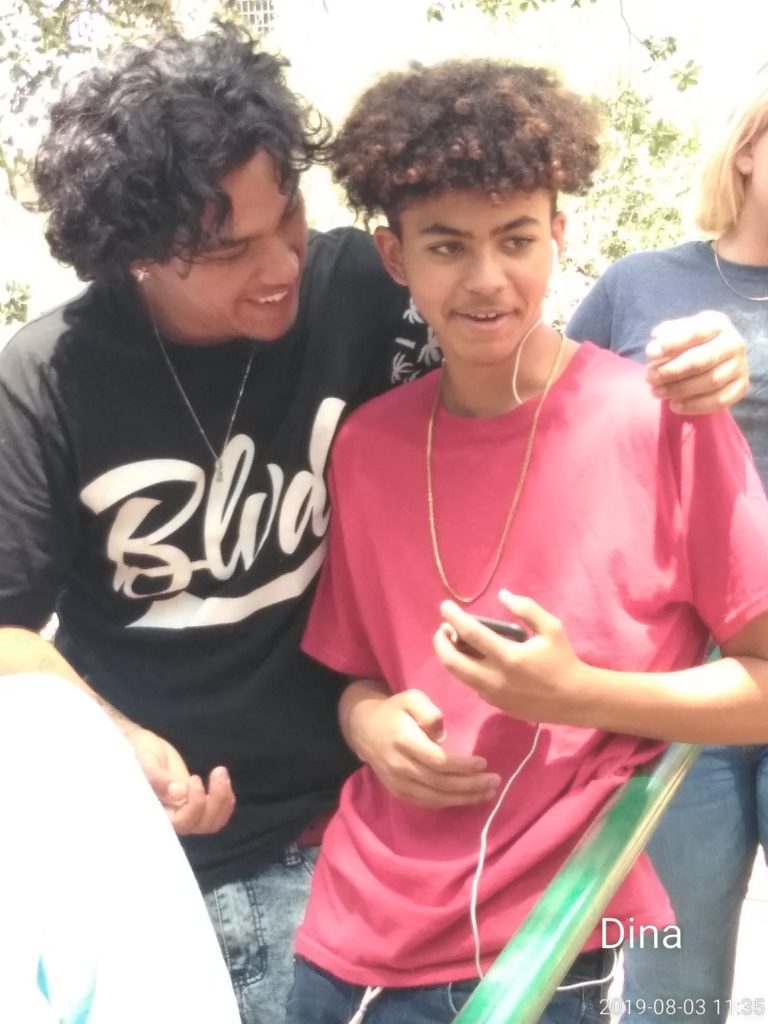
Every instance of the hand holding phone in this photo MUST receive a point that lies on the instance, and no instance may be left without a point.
(508, 630)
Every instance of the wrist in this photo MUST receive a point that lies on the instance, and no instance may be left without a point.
(588, 684)
(127, 726)
(359, 701)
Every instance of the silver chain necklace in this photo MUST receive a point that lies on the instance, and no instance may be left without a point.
(218, 469)
(727, 283)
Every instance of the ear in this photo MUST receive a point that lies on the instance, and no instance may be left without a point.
(559, 222)
(390, 250)
(744, 159)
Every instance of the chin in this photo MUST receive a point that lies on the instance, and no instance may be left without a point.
(269, 326)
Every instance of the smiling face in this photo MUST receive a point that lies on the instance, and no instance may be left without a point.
(477, 269)
(247, 286)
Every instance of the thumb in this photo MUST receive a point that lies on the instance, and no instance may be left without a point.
(427, 715)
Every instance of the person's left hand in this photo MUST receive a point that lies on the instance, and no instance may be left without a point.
(698, 363)
(540, 680)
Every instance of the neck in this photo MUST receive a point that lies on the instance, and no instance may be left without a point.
(484, 391)
(746, 242)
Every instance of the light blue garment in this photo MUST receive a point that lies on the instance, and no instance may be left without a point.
(255, 920)
(704, 851)
(706, 844)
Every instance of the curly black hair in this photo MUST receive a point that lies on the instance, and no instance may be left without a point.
(136, 150)
(464, 124)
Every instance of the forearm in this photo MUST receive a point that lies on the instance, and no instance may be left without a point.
(24, 651)
(724, 701)
(359, 695)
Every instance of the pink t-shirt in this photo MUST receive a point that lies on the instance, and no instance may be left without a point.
(643, 531)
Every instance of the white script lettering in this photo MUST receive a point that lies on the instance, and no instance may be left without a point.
(148, 565)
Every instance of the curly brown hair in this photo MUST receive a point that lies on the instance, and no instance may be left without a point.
(464, 124)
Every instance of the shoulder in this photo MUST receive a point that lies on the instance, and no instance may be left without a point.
(599, 371)
(55, 331)
(389, 420)
(637, 292)
(39, 338)
(637, 267)
(616, 401)
(346, 257)
(612, 391)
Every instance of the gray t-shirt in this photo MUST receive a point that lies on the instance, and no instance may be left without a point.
(641, 290)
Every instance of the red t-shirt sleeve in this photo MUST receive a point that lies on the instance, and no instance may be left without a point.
(335, 634)
(724, 516)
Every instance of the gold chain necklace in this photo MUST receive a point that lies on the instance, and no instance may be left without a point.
(727, 283)
(469, 598)
(217, 466)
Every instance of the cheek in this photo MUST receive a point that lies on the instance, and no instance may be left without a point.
(431, 289)
(534, 278)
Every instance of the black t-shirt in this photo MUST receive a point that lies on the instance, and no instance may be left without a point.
(182, 599)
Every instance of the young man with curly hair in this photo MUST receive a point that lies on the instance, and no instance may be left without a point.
(531, 479)
(164, 441)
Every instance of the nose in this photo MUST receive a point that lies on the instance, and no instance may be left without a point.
(279, 265)
(485, 274)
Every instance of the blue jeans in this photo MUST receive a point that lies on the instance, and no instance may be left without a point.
(255, 921)
(703, 850)
(317, 997)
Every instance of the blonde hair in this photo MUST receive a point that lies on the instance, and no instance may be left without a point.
(721, 195)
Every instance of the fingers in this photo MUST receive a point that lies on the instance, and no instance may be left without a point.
(713, 402)
(425, 713)
(698, 363)
(483, 639)
(673, 337)
(416, 768)
(708, 391)
(204, 812)
(458, 791)
(454, 783)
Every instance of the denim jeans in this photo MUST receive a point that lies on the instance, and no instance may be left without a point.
(703, 850)
(255, 921)
(317, 997)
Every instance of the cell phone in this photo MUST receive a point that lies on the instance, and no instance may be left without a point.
(509, 630)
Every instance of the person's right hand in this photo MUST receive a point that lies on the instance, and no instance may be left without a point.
(400, 738)
(191, 808)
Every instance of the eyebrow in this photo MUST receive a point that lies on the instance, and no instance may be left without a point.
(228, 242)
(511, 225)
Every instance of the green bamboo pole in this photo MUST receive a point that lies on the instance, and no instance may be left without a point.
(527, 972)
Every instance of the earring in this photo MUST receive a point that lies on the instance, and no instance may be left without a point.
(140, 274)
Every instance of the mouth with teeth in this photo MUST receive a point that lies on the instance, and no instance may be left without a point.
(486, 316)
(271, 300)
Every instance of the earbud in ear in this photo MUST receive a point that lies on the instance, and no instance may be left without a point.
(555, 254)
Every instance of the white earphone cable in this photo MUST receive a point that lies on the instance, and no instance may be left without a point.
(484, 848)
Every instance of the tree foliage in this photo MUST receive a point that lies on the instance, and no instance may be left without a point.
(39, 41)
(14, 302)
(640, 192)
(658, 48)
